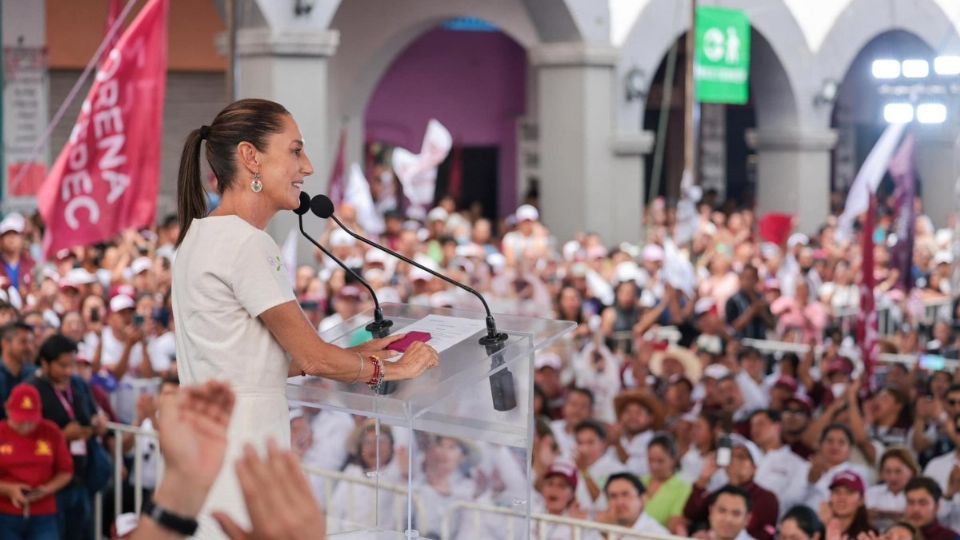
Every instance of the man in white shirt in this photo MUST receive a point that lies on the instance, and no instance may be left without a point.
(624, 492)
(595, 463)
(577, 408)
(639, 415)
(780, 470)
(729, 515)
(122, 347)
(944, 469)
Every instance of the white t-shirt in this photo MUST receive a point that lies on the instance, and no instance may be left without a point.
(163, 351)
(783, 473)
(939, 469)
(880, 498)
(647, 524)
(112, 351)
(604, 468)
(226, 274)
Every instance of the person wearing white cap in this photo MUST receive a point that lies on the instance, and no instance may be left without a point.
(240, 321)
(123, 344)
(528, 241)
(15, 263)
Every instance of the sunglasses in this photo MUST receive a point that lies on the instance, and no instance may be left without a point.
(795, 411)
(953, 402)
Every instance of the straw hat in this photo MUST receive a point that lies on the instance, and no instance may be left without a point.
(645, 399)
(686, 357)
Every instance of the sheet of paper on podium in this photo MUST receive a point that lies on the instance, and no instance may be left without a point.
(445, 332)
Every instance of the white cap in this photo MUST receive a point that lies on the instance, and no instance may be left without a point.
(126, 524)
(443, 299)
(943, 257)
(548, 359)
(571, 249)
(704, 305)
(12, 223)
(716, 371)
(944, 237)
(739, 441)
(340, 238)
(140, 265)
(471, 250)
(437, 214)
(653, 252)
(496, 260)
(627, 271)
(296, 412)
(121, 302)
(79, 276)
(797, 239)
(527, 213)
(376, 256)
(416, 273)
(769, 250)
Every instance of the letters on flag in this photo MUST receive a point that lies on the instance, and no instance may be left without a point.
(107, 175)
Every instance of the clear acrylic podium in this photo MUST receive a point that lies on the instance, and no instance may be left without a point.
(453, 401)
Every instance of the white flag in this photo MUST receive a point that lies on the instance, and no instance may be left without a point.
(358, 196)
(418, 172)
(868, 178)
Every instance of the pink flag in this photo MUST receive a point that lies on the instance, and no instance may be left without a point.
(113, 13)
(867, 328)
(107, 175)
(337, 186)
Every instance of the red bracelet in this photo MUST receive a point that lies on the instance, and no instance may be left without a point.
(376, 372)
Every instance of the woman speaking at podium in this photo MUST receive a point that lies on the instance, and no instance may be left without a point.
(238, 320)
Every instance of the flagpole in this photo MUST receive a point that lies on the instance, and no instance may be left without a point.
(231, 86)
(38, 147)
(690, 99)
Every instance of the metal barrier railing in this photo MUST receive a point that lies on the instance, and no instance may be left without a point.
(399, 506)
(769, 346)
(120, 430)
(537, 522)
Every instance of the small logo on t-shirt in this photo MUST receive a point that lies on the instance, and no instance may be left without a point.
(43, 448)
(276, 262)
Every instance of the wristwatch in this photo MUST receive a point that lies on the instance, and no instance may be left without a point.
(168, 520)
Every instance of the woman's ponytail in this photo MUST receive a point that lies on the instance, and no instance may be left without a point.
(191, 197)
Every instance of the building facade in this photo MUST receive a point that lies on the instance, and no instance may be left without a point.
(544, 88)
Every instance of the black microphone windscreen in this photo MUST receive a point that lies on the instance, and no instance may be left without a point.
(304, 204)
(322, 206)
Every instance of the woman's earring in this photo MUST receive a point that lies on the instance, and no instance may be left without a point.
(256, 185)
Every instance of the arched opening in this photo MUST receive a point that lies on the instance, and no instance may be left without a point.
(858, 113)
(471, 77)
(727, 164)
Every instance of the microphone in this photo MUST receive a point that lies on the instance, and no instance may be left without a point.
(380, 327)
(501, 383)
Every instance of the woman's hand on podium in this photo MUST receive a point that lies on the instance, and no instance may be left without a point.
(418, 358)
(378, 347)
(278, 498)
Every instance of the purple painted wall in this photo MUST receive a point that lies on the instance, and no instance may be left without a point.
(474, 83)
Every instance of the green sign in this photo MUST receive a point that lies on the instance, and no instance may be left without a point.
(722, 62)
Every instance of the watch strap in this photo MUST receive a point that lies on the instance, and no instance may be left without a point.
(186, 526)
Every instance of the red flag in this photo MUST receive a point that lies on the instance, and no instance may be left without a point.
(337, 186)
(455, 181)
(107, 175)
(113, 13)
(775, 228)
(867, 328)
(902, 170)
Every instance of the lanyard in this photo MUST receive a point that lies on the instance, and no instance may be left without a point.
(66, 398)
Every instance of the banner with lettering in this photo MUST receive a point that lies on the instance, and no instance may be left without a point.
(107, 176)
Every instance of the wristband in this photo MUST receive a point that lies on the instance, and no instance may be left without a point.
(168, 520)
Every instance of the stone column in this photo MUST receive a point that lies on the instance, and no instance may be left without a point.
(793, 174)
(290, 67)
(575, 116)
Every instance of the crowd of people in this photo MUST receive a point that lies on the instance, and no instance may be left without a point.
(656, 413)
